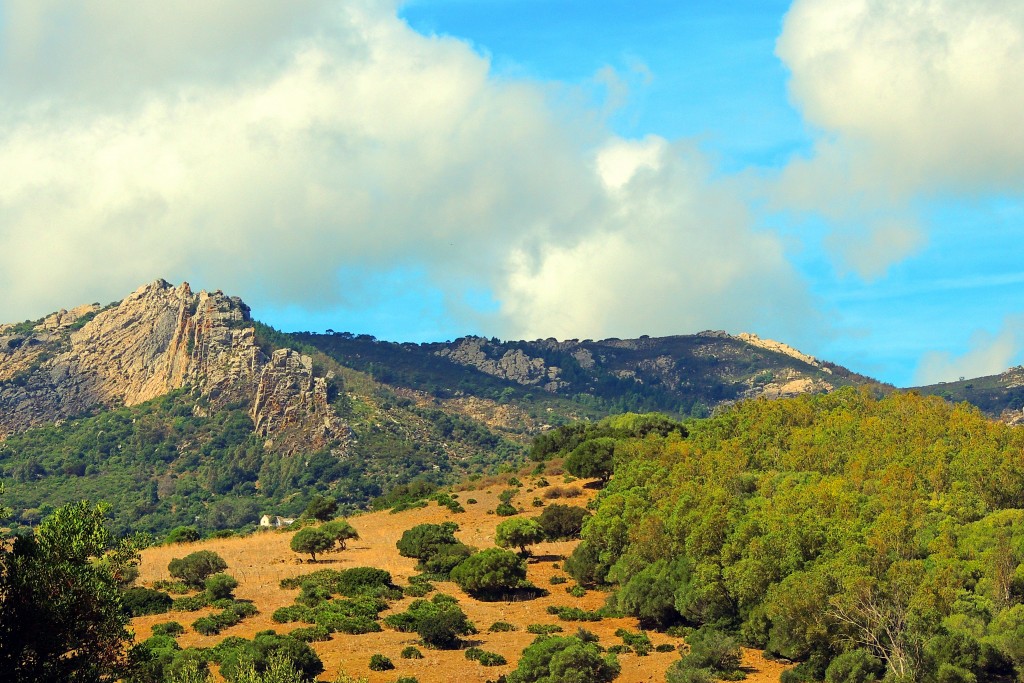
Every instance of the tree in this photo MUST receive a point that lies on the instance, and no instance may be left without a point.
(423, 540)
(518, 532)
(562, 521)
(321, 508)
(341, 531)
(61, 615)
(195, 567)
(221, 586)
(312, 541)
(564, 660)
(490, 573)
(594, 458)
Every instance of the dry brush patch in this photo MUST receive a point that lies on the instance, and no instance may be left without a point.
(260, 561)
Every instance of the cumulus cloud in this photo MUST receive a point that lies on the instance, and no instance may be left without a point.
(989, 354)
(911, 99)
(279, 150)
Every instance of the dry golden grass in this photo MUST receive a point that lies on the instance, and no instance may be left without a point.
(259, 562)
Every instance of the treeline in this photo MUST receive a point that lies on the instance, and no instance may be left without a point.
(862, 538)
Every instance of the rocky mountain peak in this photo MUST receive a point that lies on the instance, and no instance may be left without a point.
(158, 339)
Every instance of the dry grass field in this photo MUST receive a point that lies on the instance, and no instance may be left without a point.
(260, 561)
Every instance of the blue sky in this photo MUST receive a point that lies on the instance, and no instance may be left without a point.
(846, 176)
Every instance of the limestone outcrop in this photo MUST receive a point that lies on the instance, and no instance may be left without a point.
(159, 339)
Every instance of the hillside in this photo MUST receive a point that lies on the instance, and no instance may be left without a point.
(178, 408)
(1000, 396)
(261, 561)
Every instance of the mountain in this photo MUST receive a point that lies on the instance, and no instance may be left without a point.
(178, 407)
(1000, 396)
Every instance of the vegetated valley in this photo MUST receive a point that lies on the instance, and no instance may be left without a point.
(799, 533)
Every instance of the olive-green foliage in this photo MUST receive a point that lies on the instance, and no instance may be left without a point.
(411, 652)
(592, 459)
(558, 659)
(424, 540)
(505, 510)
(448, 557)
(439, 621)
(348, 582)
(61, 611)
(341, 531)
(220, 586)
(490, 573)
(139, 601)
(561, 522)
(544, 629)
(475, 654)
(311, 540)
(573, 613)
(232, 614)
(236, 654)
(855, 666)
(182, 534)
(321, 508)
(195, 567)
(501, 627)
(518, 532)
(813, 523)
(168, 628)
(379, 662)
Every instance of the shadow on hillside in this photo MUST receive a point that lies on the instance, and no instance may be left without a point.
(534, 559)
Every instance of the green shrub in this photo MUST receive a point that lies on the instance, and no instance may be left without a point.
(576, 591)
(407, 679)
(505, 510)
(220, 586)
(557, 579)
(501, 627)
(855, 666)
(423, 540)
(518, 532)
(564, 659)
(484, 657)
(140, 601)
(411, 652)
(195, 567)
(664, 647)
(561, 522)
(311, 634)
(573, 613)
(286, 615)
(208, 626)
(544, 629)
(379, 662)
(168, 628)
(191, 603)
(490, 573)
(183, 534)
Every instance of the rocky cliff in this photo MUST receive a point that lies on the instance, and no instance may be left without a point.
(159, 339)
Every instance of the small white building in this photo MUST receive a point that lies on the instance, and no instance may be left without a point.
(275, 522)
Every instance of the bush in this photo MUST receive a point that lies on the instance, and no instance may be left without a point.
(311, 634)
(321, 508)
(518, 532)
(447, 558)
(561, 522)
(190, 603)
(484, 657)
(505, 510)
(140, 601)
(286, 615)
(592, 459)
(379, 662)
(182, 534)
(234, 654)
(438, 622)
(168, 628)
(423, 540)
(576, 591)
(501, 627)
(195, 567)
(564, 659)
(639, 642)
(490, 573)
(555, 580)
(411, 652)
(544, 629)
(220, 586)
(341, 531)
(856, 666)
(713, 650)
(573, 613)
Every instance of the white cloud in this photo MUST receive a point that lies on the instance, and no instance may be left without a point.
(989, 354)
(911, 98)
(280, 144)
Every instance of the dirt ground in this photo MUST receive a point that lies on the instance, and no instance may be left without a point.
(260, 561)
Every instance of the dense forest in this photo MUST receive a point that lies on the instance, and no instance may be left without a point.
(861, 537)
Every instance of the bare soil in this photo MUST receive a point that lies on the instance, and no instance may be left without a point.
(260, 561)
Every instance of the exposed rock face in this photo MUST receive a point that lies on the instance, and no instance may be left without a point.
(512, 364)
(159, 339)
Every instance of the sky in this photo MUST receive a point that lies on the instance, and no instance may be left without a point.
(845, 176)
